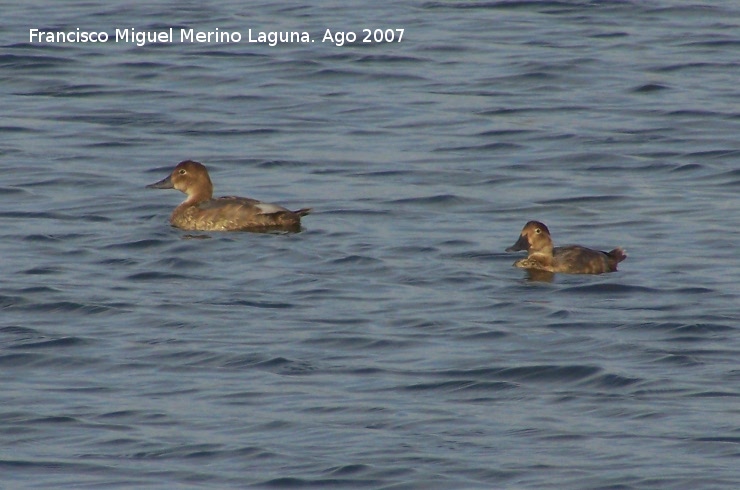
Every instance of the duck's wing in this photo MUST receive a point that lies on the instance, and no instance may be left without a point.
(226, 201)
(245, 203)
(581, 260)
(258, 207)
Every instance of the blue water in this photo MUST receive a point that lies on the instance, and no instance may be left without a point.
(390, 344)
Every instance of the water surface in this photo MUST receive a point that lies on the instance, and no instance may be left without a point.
(390, 344)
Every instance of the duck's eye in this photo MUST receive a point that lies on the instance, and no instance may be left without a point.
(183, 171)
(537, 230)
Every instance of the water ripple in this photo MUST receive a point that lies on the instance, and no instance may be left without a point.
(391, 344)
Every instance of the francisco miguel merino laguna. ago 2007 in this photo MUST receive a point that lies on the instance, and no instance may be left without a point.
(189, 35)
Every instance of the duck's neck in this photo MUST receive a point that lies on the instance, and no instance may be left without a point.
(199, 195)
(544, 251)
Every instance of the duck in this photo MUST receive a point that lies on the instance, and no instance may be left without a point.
(535, 238)
(202, 212)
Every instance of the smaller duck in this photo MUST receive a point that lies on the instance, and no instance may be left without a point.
(571, 259)
(200, 211)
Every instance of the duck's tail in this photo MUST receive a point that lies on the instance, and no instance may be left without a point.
(303, 211)
(617, 255)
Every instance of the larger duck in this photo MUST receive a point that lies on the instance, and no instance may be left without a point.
(572, 259)
(200, 211)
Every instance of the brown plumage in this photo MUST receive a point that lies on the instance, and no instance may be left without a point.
(572, 259)
(200, 211)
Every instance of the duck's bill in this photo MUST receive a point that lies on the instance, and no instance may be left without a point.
(521, 244)
(165, 183)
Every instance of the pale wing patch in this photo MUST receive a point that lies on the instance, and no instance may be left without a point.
(266, 208)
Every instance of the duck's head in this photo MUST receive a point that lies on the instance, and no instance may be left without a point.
(189, 177)
(535, 237)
